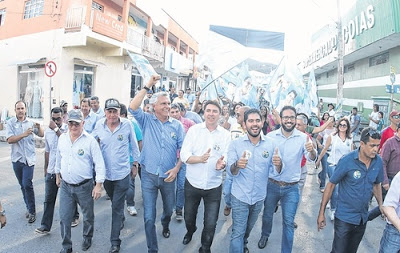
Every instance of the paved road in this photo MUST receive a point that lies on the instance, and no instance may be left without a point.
(18, 236)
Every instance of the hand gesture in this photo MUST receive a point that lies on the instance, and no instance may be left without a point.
(204, 158)
(52, 125)
(309, 146)
(276, 160)
(28, 132)
(321, 222)
(330, 120)
(221, 163)
(153, 80)
(242, 162)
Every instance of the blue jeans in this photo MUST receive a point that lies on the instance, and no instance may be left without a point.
(130, 193)
(322, 173)
(212, 201)
(150, 185)
(390, 242)
(116, 190)
(347, 237)
(289, 197)
(70, 196)
(51, 190)
(227, 190)
(244, 216)
(334, 197)
(180, 188)
(24, 174)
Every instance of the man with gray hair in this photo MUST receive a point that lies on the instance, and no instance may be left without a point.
(162, 136)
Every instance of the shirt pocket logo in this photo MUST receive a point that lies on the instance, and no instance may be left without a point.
(173, 135)
(216, 147)
(81, 152)
(356, 174)
(265, 154)
(120, 137)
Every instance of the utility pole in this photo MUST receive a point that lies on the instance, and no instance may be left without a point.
(340, 68)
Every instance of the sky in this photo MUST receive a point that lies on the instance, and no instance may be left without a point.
(298, 19)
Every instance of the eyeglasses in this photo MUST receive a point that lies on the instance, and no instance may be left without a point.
(73, 123)
(342, 125)
(286, 118)
(56, 119)
(396, 116)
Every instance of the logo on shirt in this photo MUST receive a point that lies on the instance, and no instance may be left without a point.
(265, 154)
(81, 152)
(356, 174)
(217, 147)
(120, 137)
(173, 135)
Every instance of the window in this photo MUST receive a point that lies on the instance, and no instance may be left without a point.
(348, 68)
(2, 16)
(83, 83)
(97, 6)
(33, 8)
(379, 59)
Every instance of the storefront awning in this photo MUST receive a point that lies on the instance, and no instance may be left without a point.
(28, 61)
(88, 62)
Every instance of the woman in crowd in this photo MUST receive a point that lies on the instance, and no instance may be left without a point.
(324, 119)
(266, 118)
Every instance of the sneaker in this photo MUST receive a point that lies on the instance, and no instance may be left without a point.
(131, 210)
(227, 210)
(333, 215)
(328, 206)
(31, 218)
(179, 216)
(27, 214)
(75, 222)
(42, 230)
(322, 190)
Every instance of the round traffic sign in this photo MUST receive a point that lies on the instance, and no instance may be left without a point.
(50, 68)
(392, 77)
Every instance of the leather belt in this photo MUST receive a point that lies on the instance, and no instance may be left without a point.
(281, 183)
(79, 184)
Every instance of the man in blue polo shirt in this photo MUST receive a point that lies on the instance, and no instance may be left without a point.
(359, 174)
(162, 138)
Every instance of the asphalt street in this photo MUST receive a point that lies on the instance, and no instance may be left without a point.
(18, 236)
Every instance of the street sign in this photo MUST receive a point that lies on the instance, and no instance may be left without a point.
(396, 88)
(50, 68)
(388, 88)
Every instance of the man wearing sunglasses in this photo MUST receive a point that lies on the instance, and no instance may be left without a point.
(55, 129)
(389, 132)
(359, 175)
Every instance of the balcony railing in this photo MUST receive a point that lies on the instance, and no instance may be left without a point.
(134, 38)
(153, 49)
(75, 18)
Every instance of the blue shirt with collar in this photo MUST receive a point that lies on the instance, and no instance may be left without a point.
(355, 186)
(116, 147)
(51, 142)
(24, 150)
(250, 184)
(160, 142)
(90, 122)
(100, 113)
(193, 116)
(291, 151)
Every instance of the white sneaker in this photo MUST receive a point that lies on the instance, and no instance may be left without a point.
(131, 210)
(328, 206)
(333, 215)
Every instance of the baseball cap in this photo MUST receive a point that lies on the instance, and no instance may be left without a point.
(112, 103)
(75, 115)
(150, 91)
(63, 102)
(394, 113)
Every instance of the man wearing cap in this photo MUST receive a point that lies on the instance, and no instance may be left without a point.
(162, 137)
(389, 132)
(64, 107)
(359, 175)
(55, 129)
(331, 109)
(95, 104)
(20, 134)
(89, 116)
(117, 142)
(78, 153)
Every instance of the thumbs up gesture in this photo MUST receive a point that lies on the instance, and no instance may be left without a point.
(204, 158)
(309, 146)
(220, 163)
(242, 162)
(276, 159)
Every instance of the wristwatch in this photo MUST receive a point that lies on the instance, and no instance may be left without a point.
(56, 129)
(3, 213)
(146, 88)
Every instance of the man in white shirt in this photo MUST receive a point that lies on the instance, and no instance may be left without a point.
(203, 150)
(374, 117)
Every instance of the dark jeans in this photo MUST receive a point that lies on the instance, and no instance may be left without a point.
(375, 212)
(322, 173)
(116, 190)
(69, 197)
(130, 193)
(24, 174)
(347, 237)
(51, 190)
(212, 200)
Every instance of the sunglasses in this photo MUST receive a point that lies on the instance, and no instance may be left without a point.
(396, 116)
(342, 125)
(73, 123)
(374, 134)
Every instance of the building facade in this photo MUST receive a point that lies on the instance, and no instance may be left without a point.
(88, 43)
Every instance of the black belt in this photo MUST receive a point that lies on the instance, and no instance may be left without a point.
(281, 183)
(79, 184)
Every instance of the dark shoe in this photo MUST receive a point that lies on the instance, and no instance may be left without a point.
(166, 233)
(204, 250)
(295, 225)
(227, 210)
(114, 249)
(262, 242)
(66, 250)
(32, 218)
(86, 244)
(187, 238)
(246, 250)
(42, 230)
(179, 216)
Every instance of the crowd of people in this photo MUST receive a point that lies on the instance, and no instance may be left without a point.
(252, 158)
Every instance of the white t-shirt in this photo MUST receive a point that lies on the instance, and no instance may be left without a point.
(374, 116)
(339, 148)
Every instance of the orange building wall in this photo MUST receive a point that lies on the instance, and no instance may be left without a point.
(179, 32)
